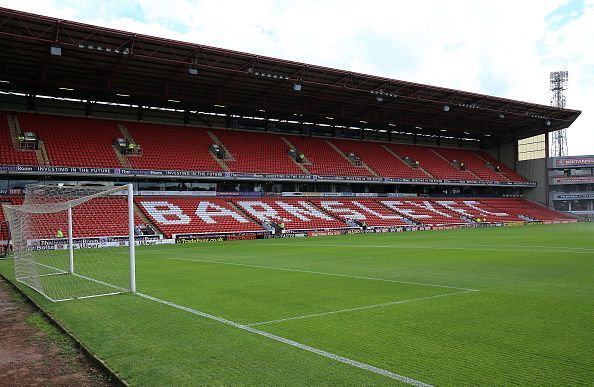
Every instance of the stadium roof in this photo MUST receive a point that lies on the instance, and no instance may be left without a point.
(48, 56)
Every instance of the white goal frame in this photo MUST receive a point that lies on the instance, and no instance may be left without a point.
(18, 215)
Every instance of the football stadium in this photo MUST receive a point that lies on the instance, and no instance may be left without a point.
(195, 215)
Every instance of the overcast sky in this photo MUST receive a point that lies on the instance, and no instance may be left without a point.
(502, 48)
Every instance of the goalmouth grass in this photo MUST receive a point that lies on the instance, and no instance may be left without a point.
(494, 306)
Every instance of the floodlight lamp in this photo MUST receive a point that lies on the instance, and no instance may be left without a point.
(192, 71)
(56, 51)
(446, 108)
(548, 123)
(296, 87)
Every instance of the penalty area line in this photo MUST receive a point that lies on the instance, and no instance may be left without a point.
(322, 273)
(329, 355)
(358, 308)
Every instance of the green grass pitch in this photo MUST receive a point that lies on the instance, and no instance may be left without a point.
(493, 306)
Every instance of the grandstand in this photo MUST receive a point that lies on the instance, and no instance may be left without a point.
(411, 163)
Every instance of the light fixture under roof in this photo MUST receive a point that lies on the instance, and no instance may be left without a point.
(219, 106)
(363, 121)
(173, 100)
(443, 130)
(466, 133)
(66, 88)
(193, 70)
(3, 81)
(122, 95)
(329, 118)
(446, 108)
(56, 50)
(392, 124)
(379, 99)
(501, 115)
(548, 123)
(296, 87)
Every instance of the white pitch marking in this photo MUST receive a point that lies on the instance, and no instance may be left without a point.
(358, 308)
(93, 296)
(323, 273)
(329, 355)
(537, 249)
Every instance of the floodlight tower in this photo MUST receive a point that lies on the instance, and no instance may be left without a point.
(558, 86)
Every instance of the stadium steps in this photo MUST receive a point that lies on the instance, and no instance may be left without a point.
(485, 161)
(443, 208)
(230, 157)
(218, 141)
(452, 164)
(363, 165)
(505, 170)
(41, 153)
(321, 209)
(300, 165)
(407, 218)
(490, 208)
(126, 133)
(15, 129)
(390, 151)
(123, 159)
(142, 216)
(501, 175)
(243, 213)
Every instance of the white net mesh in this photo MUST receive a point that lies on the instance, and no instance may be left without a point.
(89, 261)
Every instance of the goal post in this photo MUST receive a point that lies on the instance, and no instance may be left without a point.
(74, 242)
(4, 239)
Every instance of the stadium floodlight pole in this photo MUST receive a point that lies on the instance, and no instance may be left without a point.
(131, 239)
(70, 242)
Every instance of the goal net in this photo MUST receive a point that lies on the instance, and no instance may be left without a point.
(74, 242)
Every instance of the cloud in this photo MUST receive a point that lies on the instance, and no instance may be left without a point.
(505, 48)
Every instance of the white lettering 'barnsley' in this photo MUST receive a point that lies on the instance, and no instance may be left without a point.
(341, 209)
(304, 211)
(375, 213)
(163, 212)
(266, 213)
(207, 216)
(410, 212)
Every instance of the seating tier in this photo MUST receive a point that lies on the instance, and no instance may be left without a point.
(325, 160)
(75, 141)
(432, 162)
(171, 147)
(296, 214)
(191, 215)
(8, 155)
(258, 153)
(383, 162)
